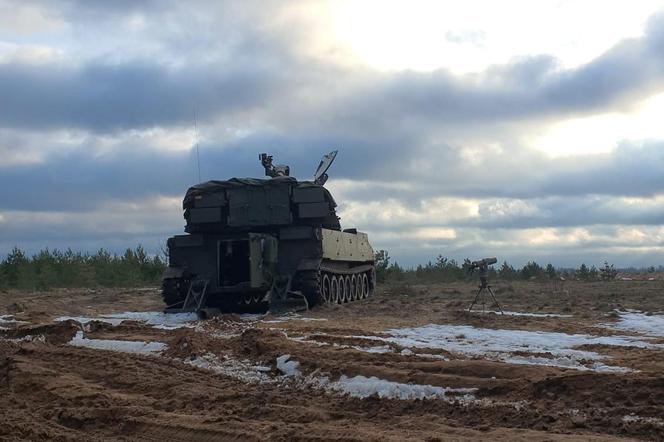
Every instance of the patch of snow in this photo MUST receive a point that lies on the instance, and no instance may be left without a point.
(377, 339)
(559, 348)
(492, 403)
(241, 370)
(251, 317)
(650, 325)
(362, 387)
(9, 320)
(85, 319)
(220, 335)
(648, 420)
(430, 356)
(262, 368)
(293, 317)
(27, 338)
(308, 341)
(167, 321)
(312, 380)
(156, 319)
(379, 349)
(358, 386)
(566, 363)
(375, 349)
(288, 367)
(138, 347)
(534, 315)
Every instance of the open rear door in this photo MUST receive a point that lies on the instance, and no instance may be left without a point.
(263, 251)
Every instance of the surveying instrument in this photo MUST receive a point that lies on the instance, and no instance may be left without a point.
(484, 287)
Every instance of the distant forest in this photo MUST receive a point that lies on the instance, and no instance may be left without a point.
(135, 268)
(444, 269)
(54, 268)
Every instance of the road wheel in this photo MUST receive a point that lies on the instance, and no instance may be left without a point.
(334, 289)
(358, 286)
(347, 289)
(325, 289)
(353, 288)
(342, 289)
(365, 286)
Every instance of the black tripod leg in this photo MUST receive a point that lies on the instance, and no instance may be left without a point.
(496, 301)
(475, 300)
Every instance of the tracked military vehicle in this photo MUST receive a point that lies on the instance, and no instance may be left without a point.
(276, 243)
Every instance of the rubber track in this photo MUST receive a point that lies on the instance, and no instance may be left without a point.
(173, 291)
(311, 288)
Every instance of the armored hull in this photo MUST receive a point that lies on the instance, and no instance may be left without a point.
(258, 243)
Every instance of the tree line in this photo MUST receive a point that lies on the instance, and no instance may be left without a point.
(444, 269)
(55, 268)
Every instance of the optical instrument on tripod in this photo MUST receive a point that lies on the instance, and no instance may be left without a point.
(484, 287)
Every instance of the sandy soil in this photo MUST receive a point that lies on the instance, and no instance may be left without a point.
(220, 379)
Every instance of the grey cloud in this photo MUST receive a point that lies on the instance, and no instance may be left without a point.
(550, 212)
(526, 88)
(471, 242)
(83, 179)
(575, 212)
(110, 97)
(261, 72)
(212, 57)
(82, 182)
(632, 169)
(80, 179)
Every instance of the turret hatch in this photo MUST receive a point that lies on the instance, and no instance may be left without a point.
(320, 177)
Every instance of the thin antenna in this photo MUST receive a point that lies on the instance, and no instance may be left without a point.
(198, 154)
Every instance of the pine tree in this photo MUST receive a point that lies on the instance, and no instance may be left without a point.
(531, 270)
(593, 274)
(382, 262)
(506, 272)
(608, 273)
(14, 268)
(583, 273)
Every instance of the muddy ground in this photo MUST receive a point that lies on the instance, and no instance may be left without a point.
(404, 364)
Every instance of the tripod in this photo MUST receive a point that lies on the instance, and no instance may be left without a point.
(481, 293)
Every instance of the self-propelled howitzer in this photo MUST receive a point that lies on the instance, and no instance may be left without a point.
(252, 244)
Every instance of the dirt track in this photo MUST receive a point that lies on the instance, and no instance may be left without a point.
(50, 389)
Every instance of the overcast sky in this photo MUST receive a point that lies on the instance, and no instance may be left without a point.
(520, 129)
